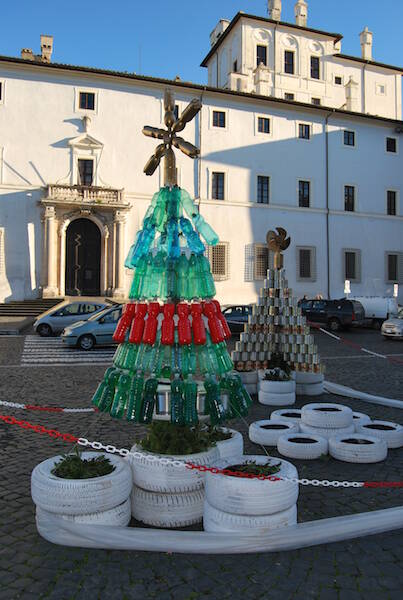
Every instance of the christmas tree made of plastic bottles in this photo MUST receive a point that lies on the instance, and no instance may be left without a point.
(172, 330)
(276, 326)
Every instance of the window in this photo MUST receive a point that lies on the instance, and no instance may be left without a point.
(176, 112)
(87, 100)
(218, 118)
(217, 187)
(349, 138)
(112, 317)
(304, 193)
(352, 265)
(393, 268)
(306, 263)
(261, 263)
(219, 261)
(338, 80)
(70, 309)
(85, 171)
(263, 125)
(391, 202)
(349, 199)
(263, 184)
(380, 89)
(261, 55)
(289, 96)
(315, 67)
(391, 144)
(304, 131)
(289, 62)
(315, 101)
(235, 66)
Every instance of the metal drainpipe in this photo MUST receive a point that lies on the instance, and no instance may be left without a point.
(327, 202)
(200, 147)
(364, 96)
(275, 59)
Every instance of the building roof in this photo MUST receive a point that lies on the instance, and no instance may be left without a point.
(192, 86)
(368, 62)
(240, 15)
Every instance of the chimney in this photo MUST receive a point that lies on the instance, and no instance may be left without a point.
(366, 44)
(301, 13)
(27, 54)
(218, 31)
(274, 8)
(352, 95)
(46, 47)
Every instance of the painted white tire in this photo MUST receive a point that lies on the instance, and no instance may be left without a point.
(309, 389)
(393, 437)
(277, 387)
(218, 521)
(270, 399)
(292, 415)
(304, 378)
(248, 376)
(341, 449)
(360, 418)
(327, 415)
(244, 496)
(251, 388)
(167, 510)
(288, 446)
(231, 447)
(119, 516)
(156, 476)
(80, 496)
(326, 432)
(269, 437)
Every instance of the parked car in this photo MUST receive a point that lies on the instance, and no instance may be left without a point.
(393, 328)
(378, 308)
(96, 331)
(334, 314)
(237, 316)
(53, 321)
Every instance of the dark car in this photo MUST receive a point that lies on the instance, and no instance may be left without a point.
(236, 316)
(334, 314)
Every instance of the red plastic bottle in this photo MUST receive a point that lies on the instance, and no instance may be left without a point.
(150, 328)
(184, 329)
(198, 328)
(168, 325)
(124, 322)
(136, 331)
(214, 324)
(222, 319)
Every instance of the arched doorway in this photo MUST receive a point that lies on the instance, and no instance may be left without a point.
(83, 258)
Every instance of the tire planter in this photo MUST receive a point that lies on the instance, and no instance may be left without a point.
(267, 432)
(80, 496)
(391, 432)
(309, 389)
(167, 510)
(326, 432)
(218, 521)
(301, 377)
(277, 387)
(119, 516)
(327, 415)
(156, 476)
(292, 415)
(358, 448)
(231, 447)
(244, 496)
(304, 446)
(360, 418)
(248, 376)
(271, 399)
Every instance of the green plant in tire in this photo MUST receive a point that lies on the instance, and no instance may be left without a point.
(276, 374)
(73, 466)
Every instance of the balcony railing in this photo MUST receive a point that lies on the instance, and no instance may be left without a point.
(84, 194)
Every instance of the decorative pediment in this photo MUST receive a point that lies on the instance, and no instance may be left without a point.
(85, 141)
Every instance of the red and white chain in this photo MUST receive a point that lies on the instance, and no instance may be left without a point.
(46, 408)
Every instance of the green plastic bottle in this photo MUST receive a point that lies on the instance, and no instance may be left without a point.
(190, 402)
(193, 281)
(120, 399)
(103, 389)
(138, 276)
(135, 397)
(147, 409)
(213, 360)
(182, 277)
(177, 412)
(171, 278)
(213, 400)
(120, 354)
(208, 281)
(130, 356)
(158, 278)
(225, 363)
(144, 291)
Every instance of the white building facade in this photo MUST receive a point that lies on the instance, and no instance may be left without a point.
(73, 192)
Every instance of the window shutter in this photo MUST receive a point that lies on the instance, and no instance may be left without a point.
(399, 267)
(358, 266)
(313, 264)
(261, 260)
(306, 263)
(249, 268)
(219, 261)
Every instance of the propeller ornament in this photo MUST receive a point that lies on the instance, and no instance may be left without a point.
(277, 242)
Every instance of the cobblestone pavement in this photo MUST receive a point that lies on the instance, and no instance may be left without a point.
(30, 567)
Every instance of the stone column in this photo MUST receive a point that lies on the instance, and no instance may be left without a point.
(50, 288)
(119, 246)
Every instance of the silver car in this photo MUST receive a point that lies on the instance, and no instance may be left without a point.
(53, 321)
(393, 328)
(98, 330)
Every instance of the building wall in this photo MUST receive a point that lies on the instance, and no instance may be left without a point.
(39, 119)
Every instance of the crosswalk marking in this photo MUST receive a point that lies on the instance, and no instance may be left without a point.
(51, 351)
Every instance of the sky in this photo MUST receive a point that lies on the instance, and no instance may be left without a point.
(166, 39)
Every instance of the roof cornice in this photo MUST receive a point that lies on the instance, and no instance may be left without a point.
(368, 62)
(191, 86)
